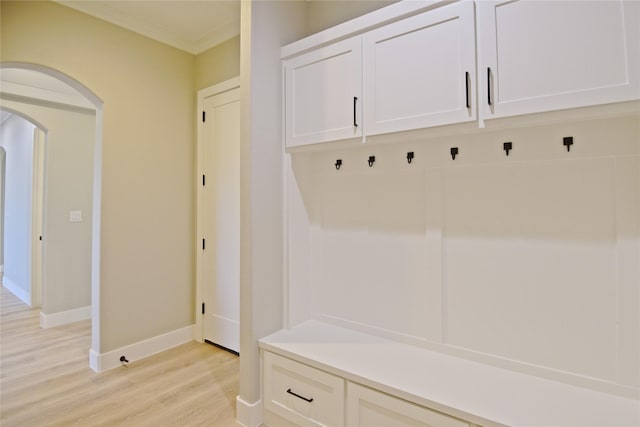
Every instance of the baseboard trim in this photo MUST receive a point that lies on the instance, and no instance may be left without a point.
(22, 294)
(64, 317)
(140, 350)
(248, 414)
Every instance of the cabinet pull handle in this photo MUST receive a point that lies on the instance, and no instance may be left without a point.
(355, 121)
(489, 85)
(300, 397)
(466, 86)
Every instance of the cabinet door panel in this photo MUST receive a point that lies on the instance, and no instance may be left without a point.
(302, 394)
(370, 408)
(320, 91)
(550, 55)
(420, 72)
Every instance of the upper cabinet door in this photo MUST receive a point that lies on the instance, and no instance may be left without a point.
(323, 94)
(539, 56)
(421, 71)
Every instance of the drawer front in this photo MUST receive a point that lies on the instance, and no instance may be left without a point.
(370, 408)
(302, 394)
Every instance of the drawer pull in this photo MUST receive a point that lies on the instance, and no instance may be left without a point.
(300, 397)
(355, 118)
(466, 89)
(489, 85)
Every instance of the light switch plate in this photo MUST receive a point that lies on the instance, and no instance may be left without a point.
(75, 216)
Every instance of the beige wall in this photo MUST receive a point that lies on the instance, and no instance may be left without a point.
(323, 14)
(147, 160)
(218, 64)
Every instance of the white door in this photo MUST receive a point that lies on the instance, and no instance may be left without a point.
(37, 212)
(548, 55)
(221, 219)
(323, 94)
(421, 71)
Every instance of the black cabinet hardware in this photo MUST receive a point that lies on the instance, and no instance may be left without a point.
(338, 164)
(507, 146)
(355, 119)
(489, 85)
(300, 397)
(454, 152)
(372, 160)
(466, 90)
(567, 141)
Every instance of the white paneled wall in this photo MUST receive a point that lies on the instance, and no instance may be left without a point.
(529, 260)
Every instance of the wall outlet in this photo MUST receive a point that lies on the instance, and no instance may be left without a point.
(75, 216)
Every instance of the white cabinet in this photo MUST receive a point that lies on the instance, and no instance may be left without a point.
(323, 94)
(420, 72)
(302, 394)
(537, 56)
(370, 408)
(357, 379)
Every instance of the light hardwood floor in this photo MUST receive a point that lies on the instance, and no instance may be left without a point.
(45, 379)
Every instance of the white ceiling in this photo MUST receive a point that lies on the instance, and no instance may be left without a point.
(192, 26)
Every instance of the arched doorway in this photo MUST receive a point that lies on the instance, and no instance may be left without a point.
(22, 148)
(80, 98)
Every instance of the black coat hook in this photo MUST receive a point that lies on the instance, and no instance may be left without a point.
(410, 157)
(507, 146)
(454, 152)
(372, 160)
(338, 164)
(567, 141)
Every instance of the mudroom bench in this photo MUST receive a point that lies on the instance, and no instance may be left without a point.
(321, 374)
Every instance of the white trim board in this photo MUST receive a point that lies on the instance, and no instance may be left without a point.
(64, 317)
(248, 414)
(19, 292)
(217, 89)
(136, 351)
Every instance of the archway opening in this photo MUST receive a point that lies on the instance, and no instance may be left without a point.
(22, 147)
(31, 84)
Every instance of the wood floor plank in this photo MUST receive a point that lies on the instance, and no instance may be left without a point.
(45, 379)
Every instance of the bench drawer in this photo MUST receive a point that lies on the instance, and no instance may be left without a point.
(302, 394)
(371, 408)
